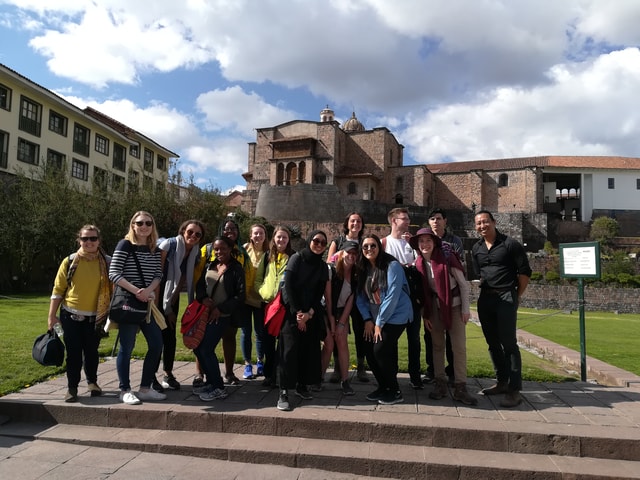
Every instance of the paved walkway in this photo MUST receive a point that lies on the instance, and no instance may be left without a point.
(589, 407)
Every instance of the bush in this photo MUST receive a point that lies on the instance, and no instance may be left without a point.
(552, 277)
(536, 276)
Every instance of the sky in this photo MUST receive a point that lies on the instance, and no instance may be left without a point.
(452, 80)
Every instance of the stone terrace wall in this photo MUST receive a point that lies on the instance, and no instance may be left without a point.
(565, 297)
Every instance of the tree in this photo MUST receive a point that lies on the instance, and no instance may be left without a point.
(604, 229)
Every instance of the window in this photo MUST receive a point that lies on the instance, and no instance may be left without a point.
(399, 199)
(80, 169)
(102, 144)
(57, 123)
(28, 152)
(81, 139)
(637, 183)
(134, 150)
(399, 184)
(4, 148)
(30, 116)
(162, 163)
(503, 180)
(119, 157)
(5, 97)
(134, 181)
(351, 188)
(148, 160)
(117, 182)
(611, 182)
(100, 179)
(55, 159)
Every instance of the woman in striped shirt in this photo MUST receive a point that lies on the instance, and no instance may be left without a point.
(138, 244)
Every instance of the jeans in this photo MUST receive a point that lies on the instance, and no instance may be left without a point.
(80, 340)
(206, 352)
(169, 340)
(413, 345)
(385, 353)
(257, 313)
(127, 335)
(498, 313)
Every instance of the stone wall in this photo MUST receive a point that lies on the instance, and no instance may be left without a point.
(565, 297)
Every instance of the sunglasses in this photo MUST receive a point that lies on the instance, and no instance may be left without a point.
(369, 246)
(88, 239)
(140, 223)
(319, 241)
(191, 233)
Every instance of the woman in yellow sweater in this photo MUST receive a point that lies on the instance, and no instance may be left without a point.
(82, 292)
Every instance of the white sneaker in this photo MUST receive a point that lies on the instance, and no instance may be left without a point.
(151, 394)
(129, 398)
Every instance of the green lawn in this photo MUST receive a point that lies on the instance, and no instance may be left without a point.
(23, 318)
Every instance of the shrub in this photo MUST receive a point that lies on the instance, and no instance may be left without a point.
(536, 276)
(552, 277)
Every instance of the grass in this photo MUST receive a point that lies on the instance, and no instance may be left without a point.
(23, 318)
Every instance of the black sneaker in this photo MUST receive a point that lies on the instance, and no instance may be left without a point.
(428, 378)
(198, 381)
(416, 383)
(375, 395)
(303, 392)
(346, 388)
(169, 381)
(391, 398)
(283, 401)
(156, 386)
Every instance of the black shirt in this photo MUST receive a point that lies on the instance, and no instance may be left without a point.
(499, 267)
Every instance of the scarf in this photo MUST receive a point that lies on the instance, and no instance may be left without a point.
(173, 284)
(105, 288)
(441, 278)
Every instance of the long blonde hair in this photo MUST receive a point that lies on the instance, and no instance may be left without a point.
(152, 239)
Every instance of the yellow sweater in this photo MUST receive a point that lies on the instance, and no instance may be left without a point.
(81, 296)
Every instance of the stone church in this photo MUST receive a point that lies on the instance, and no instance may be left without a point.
(319, 171)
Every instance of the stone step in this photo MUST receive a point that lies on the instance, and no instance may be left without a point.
(372, 458)
(372, 426)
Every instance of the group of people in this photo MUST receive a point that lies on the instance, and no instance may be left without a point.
(376, 288)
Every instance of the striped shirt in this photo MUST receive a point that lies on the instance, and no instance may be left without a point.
(123, 265)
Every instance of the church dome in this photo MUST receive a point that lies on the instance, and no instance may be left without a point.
(353, 124)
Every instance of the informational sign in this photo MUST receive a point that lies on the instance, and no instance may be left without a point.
(580, 260)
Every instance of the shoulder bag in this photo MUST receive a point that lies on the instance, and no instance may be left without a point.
(125, 307)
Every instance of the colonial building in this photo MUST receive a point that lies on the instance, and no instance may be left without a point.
(40, 129)
(308, 171)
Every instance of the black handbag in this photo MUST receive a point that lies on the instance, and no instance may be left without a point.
(48, 350)
(125, 307)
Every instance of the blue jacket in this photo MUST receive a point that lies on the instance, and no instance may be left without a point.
(395, 304)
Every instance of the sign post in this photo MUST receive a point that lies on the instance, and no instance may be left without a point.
(580, 260)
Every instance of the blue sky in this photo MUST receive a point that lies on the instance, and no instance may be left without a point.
(453, 80)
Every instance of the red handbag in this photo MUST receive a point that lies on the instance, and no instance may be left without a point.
(193, 324)
(274, 315)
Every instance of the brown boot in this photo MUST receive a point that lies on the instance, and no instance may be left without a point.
(511, 399)
(497, 389)
(460, 394)
(440, 389)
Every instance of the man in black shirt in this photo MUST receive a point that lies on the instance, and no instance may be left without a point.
(504, 273)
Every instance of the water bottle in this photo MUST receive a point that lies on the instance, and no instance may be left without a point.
(57, 327)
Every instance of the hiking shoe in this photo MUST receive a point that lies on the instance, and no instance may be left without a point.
(511, 399)
(303, 392)
(215, 394)
(283, 401)
(259, 369)
(391, 398)
(198, 381)
(129, 398)
(497, 389)
(204, 388)
(416, 383)
(71, 396)
(157, 386)
(375, 395)
(428, 378)
(439, 389)
(361, 373)
(461, 395)
(94, 389)
(346, 388)
(169, 381)
(248, 372)
(231, 379)
(152, 395)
